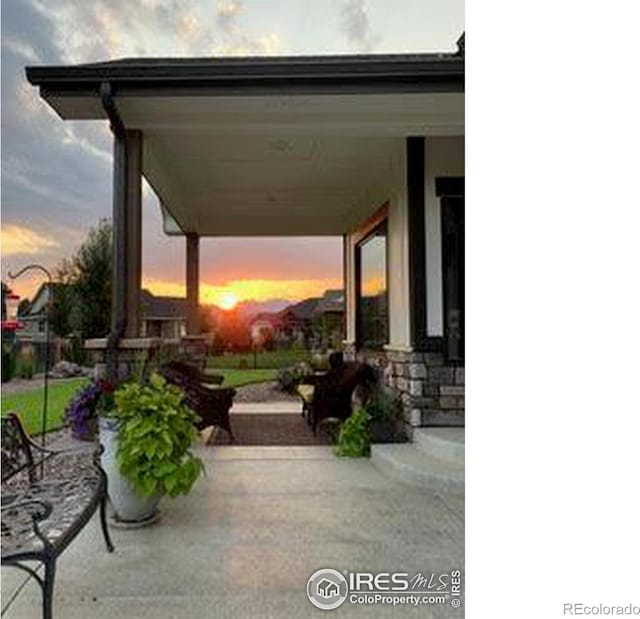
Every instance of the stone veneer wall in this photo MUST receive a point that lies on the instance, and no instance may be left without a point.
(431, 391)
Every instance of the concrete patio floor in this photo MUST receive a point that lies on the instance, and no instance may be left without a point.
(247, 538)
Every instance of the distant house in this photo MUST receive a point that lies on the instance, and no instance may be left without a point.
(164, 317)
(295, 320)
(264, 322)
(328, 319)
(34, 320)
(318, 321)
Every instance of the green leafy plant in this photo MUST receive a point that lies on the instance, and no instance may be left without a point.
(353, 439)
(156, 431)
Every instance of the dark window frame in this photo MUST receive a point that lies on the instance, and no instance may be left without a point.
(449, 190)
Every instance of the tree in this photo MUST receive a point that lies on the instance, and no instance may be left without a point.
(91, 277)
(63, 318)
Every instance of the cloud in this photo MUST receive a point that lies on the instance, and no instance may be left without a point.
(227, 12)
(244, 45)
(20, 48)
(355, 24)
(235, 40)
(21, 240)
(95, 31)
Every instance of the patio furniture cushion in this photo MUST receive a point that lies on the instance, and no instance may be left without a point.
(305, 391)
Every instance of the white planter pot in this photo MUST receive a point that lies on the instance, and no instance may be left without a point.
(129, 506)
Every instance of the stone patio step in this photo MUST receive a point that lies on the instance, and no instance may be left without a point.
(444, 443)
(417, 467)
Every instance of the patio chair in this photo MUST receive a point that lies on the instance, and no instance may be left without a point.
(332, 392)
(211, 404)
(197, 373)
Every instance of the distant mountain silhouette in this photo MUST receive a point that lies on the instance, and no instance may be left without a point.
(331, 300)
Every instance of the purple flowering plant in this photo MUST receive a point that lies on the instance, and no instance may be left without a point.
(90, 402)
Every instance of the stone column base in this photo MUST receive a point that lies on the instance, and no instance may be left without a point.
(136, 356)
(431, 391)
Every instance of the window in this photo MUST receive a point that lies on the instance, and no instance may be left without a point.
(373, 301)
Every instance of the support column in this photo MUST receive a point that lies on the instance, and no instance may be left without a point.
(127, 233)
(134, 232)
(193, 283)
(417, 252)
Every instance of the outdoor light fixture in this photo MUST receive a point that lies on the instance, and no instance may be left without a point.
(12, 301)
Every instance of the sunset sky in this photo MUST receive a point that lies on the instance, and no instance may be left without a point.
(56, 176)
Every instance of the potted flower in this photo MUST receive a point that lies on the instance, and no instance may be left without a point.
(385, 416)
(82, 412)
(147, 436)
(378, 420)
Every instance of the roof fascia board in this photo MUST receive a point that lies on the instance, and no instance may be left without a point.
(360, 75)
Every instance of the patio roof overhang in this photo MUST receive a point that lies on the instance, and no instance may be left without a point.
(267, 146)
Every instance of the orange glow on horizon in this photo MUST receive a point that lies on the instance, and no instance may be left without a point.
(238, 291)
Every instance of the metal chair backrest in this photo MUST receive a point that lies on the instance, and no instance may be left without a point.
(16, 450)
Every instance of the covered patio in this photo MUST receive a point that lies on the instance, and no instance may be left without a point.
(353, 146)
(244, 542)
(292, 146)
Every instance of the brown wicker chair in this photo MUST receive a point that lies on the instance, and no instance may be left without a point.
(196, 373)
(212, 405)
(333, 391)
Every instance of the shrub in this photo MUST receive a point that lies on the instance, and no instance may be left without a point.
(353, 439)
(383, 405)
(8, 363)
(289, 378)
(25, 363)
(73, 351)
(156, 431)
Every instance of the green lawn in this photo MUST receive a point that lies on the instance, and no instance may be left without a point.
(29, 404)
(238, 378)
(275, 359)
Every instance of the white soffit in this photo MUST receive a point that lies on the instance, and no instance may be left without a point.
(367, 115)
(291, 165)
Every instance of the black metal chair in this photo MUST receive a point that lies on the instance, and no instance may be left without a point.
(44, 508)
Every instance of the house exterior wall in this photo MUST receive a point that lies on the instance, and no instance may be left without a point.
(430, 389)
